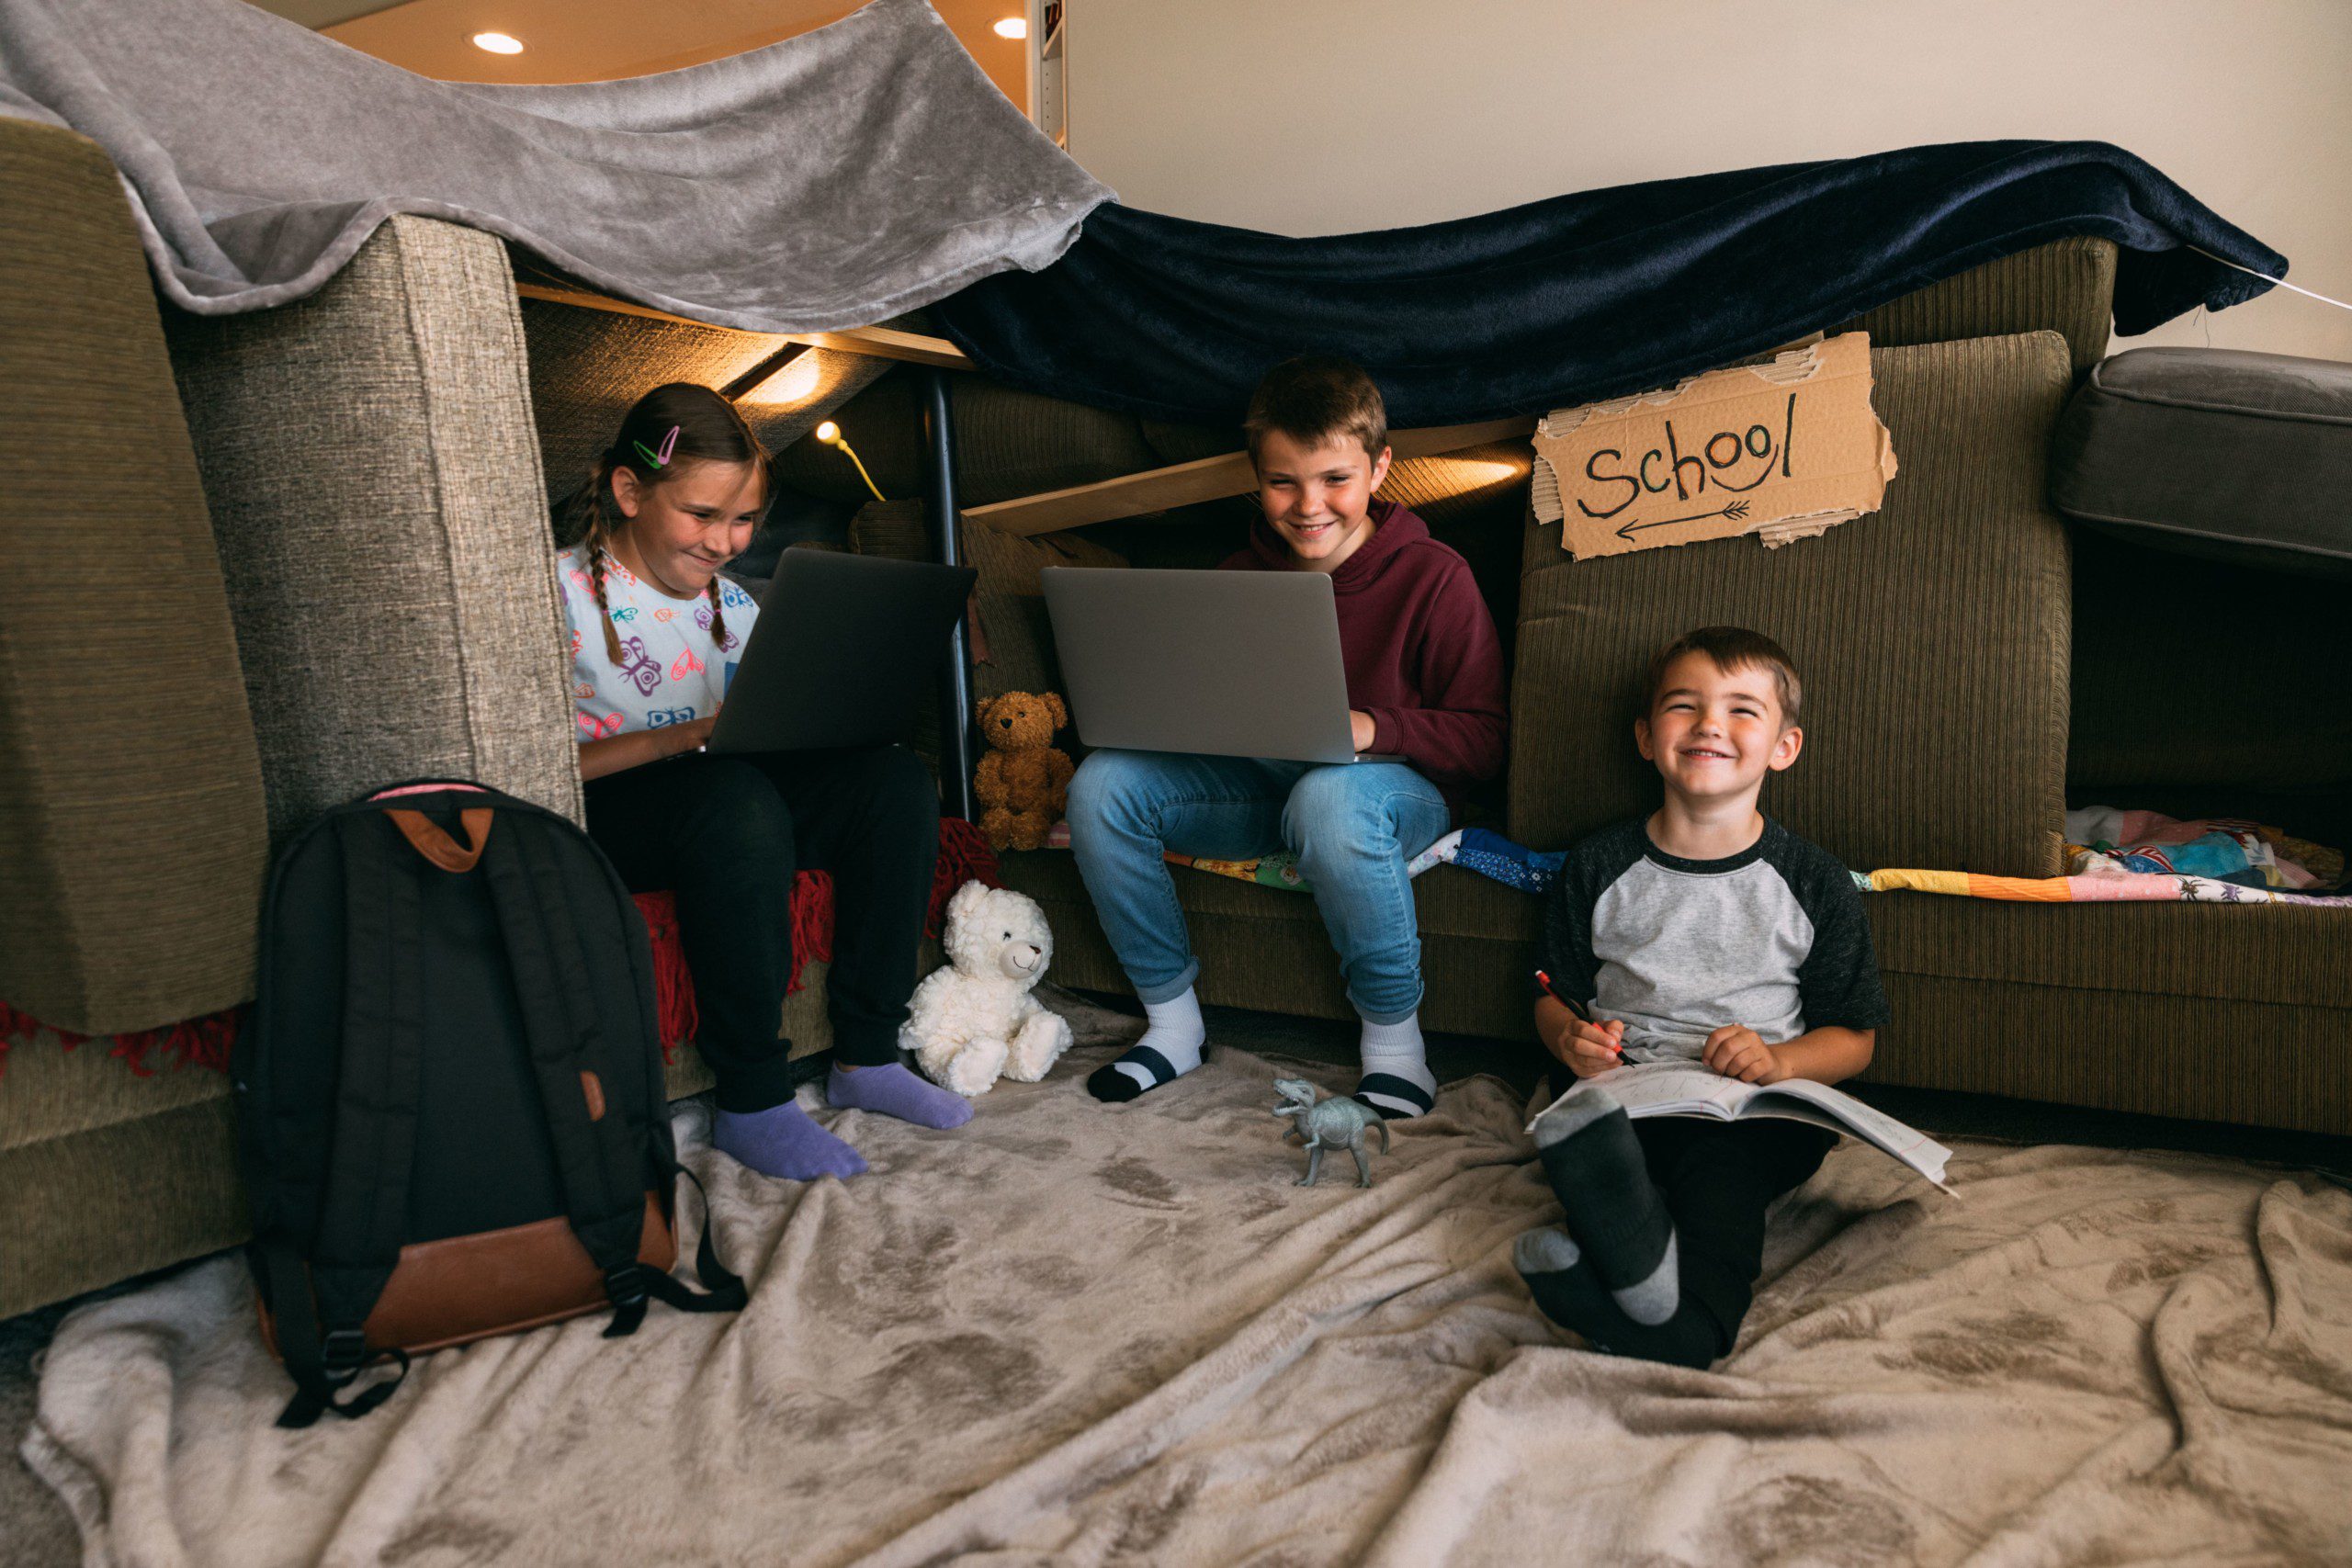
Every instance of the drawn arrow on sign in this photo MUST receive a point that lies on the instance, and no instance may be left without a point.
(1736, 511)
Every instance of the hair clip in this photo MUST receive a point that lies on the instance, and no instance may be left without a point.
(659, 459)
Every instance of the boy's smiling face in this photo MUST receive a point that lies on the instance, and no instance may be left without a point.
(1318, 497)
(1714, 733)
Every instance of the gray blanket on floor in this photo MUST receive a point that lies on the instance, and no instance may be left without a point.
(1072, 1332)
(832, 180)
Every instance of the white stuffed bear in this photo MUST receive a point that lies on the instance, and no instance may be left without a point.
(974, 1019)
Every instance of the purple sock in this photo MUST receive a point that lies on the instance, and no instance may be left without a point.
(894, 1091)
(782, 1141)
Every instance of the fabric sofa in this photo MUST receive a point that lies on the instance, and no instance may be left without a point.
(360, 591)
(1974, 666)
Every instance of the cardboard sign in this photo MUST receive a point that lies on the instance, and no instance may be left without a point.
(1783, 450)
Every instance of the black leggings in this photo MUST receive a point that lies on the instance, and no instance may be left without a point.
(725, 834)
(1717, 1179)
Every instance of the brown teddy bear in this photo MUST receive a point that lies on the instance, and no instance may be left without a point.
(1023, 781)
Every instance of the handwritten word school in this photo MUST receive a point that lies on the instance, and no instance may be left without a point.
(1713, 462)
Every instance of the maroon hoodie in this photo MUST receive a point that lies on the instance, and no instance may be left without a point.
(1420, 650)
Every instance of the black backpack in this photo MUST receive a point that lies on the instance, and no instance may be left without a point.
(450, 1107)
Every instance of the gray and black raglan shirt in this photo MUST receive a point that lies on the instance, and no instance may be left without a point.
(1773, 938)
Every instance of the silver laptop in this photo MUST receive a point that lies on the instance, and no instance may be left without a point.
(1221, 663)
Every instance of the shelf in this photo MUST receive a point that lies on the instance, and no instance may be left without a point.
(1048, 66)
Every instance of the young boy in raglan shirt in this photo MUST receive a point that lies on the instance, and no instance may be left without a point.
(1704, 932)
(1425, 681)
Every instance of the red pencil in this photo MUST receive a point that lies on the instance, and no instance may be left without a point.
(1551, 991)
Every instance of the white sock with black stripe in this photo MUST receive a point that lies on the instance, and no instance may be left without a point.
(1169, 1048)
(1397, 1078)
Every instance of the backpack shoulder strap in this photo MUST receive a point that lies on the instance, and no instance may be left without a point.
(363, 1211)
(602, 1163)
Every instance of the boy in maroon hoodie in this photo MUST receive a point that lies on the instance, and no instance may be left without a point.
(1425, 681)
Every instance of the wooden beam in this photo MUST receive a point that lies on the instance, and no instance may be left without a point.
(889, 343)
(880, 343)
(766, 370)
(1206, 478)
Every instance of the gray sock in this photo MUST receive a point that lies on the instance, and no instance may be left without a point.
(1545, 1251)
(1596, 1168)
(1561, 1280)
(1572, 1116)
(1652, 1300)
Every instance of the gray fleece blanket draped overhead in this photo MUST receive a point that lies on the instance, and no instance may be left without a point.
(829, 181)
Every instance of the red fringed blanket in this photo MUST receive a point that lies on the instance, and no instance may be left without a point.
(964, 856)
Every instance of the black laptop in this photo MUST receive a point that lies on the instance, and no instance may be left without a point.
(845, 649)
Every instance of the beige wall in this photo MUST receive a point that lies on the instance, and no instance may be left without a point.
(1313, 116)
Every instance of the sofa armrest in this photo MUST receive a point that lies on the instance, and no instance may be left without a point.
(373, 471)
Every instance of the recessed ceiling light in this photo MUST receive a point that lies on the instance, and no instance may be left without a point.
(1012, 27)
(499, 43)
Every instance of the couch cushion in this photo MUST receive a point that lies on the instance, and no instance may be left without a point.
(2282, 954)
(2098, 1005)
(1265, 948)
(1931, 635)
(2092, 1048)
(97, 1206)
(2066, 287)
(374, 478)
(2219, 452)
(130, 803)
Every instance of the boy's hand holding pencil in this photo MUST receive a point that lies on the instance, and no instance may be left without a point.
(1586, 1048)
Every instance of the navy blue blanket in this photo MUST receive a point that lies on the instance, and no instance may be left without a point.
(1580, 296)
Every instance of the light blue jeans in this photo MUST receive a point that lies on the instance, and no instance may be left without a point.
(1353, 828)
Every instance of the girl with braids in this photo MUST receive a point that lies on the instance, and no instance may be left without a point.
(656, 634)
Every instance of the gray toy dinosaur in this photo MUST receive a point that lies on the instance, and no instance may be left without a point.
(1337, 1121)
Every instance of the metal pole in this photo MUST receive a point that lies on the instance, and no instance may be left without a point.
(960, 743)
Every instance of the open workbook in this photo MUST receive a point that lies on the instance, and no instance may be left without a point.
(1681, 1089)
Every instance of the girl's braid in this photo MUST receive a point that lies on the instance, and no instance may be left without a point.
(599, 530)
(596, 559)
(717, 619)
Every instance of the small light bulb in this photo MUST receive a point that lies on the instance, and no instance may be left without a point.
(1012, 27)
(829, 433)
(499, 43)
